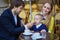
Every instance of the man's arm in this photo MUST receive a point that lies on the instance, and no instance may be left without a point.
(10, 27)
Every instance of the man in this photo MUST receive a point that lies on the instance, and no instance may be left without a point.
(10, 23)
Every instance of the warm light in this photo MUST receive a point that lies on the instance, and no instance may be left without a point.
(34, 6)
(27, 6)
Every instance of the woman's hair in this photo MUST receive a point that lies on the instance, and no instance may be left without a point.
(48, 19)
(50, 5)
(16, 3)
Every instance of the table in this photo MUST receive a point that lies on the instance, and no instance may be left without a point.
(48, 37)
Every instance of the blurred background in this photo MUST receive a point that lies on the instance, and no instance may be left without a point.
(33, 7)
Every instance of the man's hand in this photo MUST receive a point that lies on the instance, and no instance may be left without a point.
(29, 25)
(22, 23)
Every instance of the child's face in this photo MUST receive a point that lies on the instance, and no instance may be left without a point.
(37, 19)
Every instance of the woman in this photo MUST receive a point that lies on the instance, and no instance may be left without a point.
(48, 18)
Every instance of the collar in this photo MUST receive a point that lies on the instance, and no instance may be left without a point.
(37, 26)
(13, 13)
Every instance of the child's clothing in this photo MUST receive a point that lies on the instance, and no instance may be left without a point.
(38, 28)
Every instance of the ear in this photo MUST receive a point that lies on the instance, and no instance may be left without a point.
(15, 8)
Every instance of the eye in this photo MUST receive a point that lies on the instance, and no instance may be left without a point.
(44, 6)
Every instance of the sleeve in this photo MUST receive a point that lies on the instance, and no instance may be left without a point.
(10, 27)
(51, 25)
(45, 28)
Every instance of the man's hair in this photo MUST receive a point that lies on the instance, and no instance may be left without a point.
(16, 3)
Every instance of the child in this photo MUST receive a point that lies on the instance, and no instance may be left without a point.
(39, 26)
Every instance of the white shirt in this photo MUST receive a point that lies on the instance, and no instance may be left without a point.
(15, 18)
(37, 26)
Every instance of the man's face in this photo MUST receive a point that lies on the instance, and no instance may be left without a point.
(18, 9)
(37, 19)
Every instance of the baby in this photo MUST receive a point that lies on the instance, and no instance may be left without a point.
(39, 26)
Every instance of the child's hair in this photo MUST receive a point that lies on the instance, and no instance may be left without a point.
(40, 15)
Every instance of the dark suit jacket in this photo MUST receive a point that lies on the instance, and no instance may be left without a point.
(8, 29)
(39, 29)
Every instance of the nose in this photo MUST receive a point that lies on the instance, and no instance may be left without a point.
(45, 9)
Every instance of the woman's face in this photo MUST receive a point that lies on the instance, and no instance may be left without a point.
(46, 8)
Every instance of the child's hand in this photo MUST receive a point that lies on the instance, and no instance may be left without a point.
(32, 31)
(42, 31)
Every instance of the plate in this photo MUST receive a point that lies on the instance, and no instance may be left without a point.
(27, 33)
